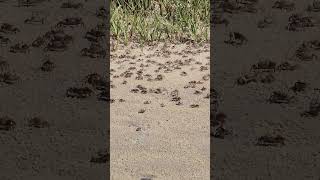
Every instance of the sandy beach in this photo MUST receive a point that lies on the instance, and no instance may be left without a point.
(160, 112)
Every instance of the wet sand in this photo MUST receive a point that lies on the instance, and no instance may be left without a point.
(70, 131)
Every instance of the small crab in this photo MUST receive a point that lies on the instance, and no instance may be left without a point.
(220, 132)
(66, 39)
(20, 48)
(270, 141)
(102, 12)
(299, 86)
(104, 96)
(102, 156)
(96, 81)
(299, 22)
(101, 27)
(218, 19)
(249, 8)
(314, 109)
(247, 78)
(228, 7)
(266, 77)
(26, 3)
(47, 66)
(37, 122)
(247, 2)
(72, 21)
(35, 19)
(8, 77)
(280, 97)
(71, 5)
(4, 40)
(4, 66)
(38, 42)
(56, 46)
(305, 54)
(8, 28)
(53, 32)
(7, 123)
(94, 51)
(266, 22)
(284, 5)
(314, 7)
(264, 65)
(236, 38)
(194, 105)
(79, 92)
(286, 66)
(94, 35)
(314, 44)
(218, 120)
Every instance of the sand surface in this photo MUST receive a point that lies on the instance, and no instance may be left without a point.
(77, 127)
(250, 115)
(155, 132)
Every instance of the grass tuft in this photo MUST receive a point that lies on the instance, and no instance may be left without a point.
(146, 21)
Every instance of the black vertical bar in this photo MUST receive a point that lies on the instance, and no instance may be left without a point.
(107, 5)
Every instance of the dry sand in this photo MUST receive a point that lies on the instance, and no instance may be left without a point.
(168, 140)
(77, 127)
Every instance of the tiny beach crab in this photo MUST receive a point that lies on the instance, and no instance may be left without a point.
(104, 95)
(56, 46)
(94, 35)
(8, 29)
(270, 141)
(101, 156)
(314, 7)
(47, 66)
(101, 12)
(94, 51)
(304, 53)
(4, 40)
(299, 86)
(7, 123)
(284, 5)
(82, 92)
(97, 81)
(71, 5)
(34, 19)
(264, 65)
(247, 78)
(314, 108)
(37, 122)
(39, 41)
(280, 97)
(71, 21)
(8, 77)
(218, 19)
(286, 66)
(20, 48)
(264, 23)
(300, 22)
(236, 39)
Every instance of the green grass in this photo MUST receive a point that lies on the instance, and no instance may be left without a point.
(146, 21)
